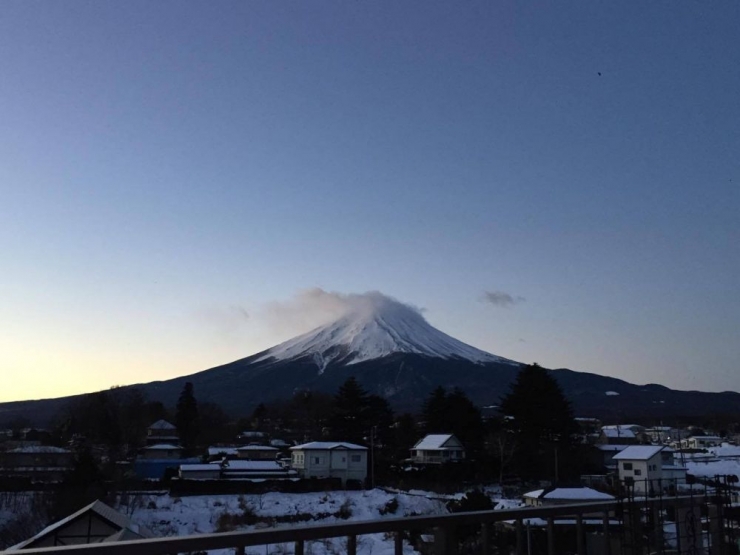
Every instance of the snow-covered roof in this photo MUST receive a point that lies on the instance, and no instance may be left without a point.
(575, 494)
(433, 441)
(618, 432)
(639, 452)
(162, 425)
(163, 446)
(257, 448)
(199, 467)
(327, 446)
(98, 507)
(712, 438)
(252, 465)
(230, 450)
(40, 449)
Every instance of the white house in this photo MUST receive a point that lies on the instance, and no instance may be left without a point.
(328, 459)
(563, 496)
(649, 468)
(437, 449)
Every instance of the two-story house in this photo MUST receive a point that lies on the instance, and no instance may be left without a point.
(329, 459)
(42, 463)
(162, 432)
(648, 468)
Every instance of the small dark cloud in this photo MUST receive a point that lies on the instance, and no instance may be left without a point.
(501, 299)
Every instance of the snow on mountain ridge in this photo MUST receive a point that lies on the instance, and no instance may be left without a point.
(373, 327)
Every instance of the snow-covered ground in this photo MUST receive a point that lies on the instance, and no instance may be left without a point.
(170, 516)
(724, 460)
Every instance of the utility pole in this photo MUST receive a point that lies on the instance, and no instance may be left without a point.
(372, 455)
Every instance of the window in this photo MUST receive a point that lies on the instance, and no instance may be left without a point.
(317, 460)
(627, 466)
(638, 472)
(356, 458)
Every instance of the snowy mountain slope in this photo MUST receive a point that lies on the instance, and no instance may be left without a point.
(374, 327)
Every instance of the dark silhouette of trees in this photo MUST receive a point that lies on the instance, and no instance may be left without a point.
(538, 414)
(356, 415)
(186, 417)
(454, 413)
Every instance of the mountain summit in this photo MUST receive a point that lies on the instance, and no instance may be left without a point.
(376, 326)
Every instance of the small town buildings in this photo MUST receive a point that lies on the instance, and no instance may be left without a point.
(237, 470)
(438, 449)
(95, 523)
(607, 452)
(40, 463)
(209, 471)
(162, 432)
(257, 452)
(327, 459)
(564, 496)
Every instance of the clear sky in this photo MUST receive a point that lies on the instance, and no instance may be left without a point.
(552, 181)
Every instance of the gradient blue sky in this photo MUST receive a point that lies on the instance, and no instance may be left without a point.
(171, 170)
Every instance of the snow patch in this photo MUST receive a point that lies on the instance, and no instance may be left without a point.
(610, 393)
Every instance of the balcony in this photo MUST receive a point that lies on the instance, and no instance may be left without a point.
(693, 524)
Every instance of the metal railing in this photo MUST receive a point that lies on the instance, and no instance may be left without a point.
(599, 528)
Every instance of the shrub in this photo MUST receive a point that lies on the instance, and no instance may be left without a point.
(390, 507)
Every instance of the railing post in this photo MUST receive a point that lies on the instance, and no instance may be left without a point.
(444, 541)
(398, 543)
(485, 538)
(352, 545)
(519, 537)
(607, 537)
(299, 547)
(579, 531)
(715, 530)
(550, 536)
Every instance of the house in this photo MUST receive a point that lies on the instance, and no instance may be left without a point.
(607, 454)
(438, 449)
(564, 496)
(701, 442)
(648, 468)
(162, 432)
(219, 452)
(617, 435)
(161, 451)
(257, 452)
(210, 471)
(41, 463)
(95, 523)
(326, 459)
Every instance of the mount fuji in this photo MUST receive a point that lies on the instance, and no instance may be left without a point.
(391, 349)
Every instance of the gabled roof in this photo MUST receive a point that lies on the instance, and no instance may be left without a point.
(638, 452)
(434, 441)
(102, 510)
(328, 446)
(162, 425)
(612, 447)
(575, 494)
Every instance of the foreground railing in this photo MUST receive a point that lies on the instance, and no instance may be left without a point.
(691, 513)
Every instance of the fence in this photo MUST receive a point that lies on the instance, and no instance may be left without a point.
(700, 523)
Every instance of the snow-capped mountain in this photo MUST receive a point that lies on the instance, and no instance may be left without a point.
(392, 350)
(376, 326)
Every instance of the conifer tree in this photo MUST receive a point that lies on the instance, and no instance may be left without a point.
(186, 417)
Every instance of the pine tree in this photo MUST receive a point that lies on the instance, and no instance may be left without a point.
(348, 421)
(540, 416)
(186, 417)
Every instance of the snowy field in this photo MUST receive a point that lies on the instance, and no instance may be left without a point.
(174, 516)
(716, 461)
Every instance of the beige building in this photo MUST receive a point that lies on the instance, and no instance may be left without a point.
(325, 459)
